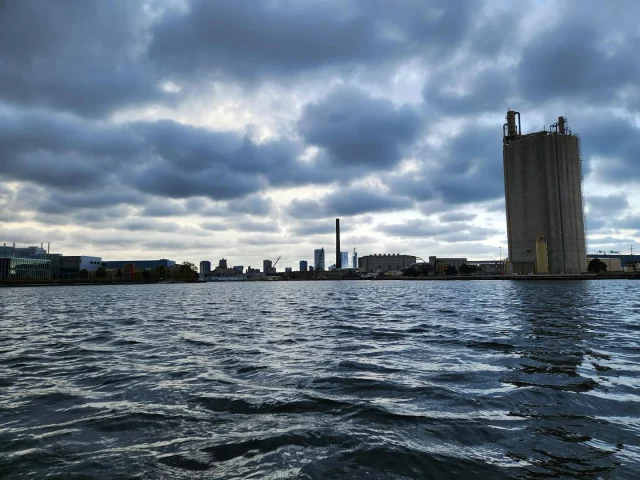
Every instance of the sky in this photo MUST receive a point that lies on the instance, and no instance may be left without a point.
(198, 130)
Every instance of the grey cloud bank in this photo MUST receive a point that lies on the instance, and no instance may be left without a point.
(349, 147)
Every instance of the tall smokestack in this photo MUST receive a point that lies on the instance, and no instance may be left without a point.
(338, 257)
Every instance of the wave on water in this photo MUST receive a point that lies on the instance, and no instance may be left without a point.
(325, 380)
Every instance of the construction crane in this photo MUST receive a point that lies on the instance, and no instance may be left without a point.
(273, 267)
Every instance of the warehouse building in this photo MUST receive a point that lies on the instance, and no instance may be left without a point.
(383, 263)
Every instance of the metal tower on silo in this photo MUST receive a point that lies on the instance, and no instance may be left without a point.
(543, 196)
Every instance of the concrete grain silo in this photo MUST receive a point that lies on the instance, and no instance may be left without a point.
(543, 196)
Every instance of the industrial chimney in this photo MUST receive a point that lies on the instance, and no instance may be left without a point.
(338, 257)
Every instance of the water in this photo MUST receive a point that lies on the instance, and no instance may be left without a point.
(321, 380)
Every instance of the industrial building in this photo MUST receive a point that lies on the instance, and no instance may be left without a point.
(543, 196)
(318, 259)
(70, 266)
(382, 263)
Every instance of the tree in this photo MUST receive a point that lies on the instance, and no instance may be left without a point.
(417, 270)
(188, 272)
(84, 273)
(452, 270)
(146, 275)
(159, 273)
(596, 266)
(101, 273)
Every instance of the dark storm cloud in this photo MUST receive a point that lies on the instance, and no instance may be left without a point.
(609, 205)
(86, 56)
(584, 55)
(449, 232)
(356, 129)
(488, 90)
(318, 227)
(229, 39)
(617, 143)
(215, 226)
(160, 207)
(60, 150)
(144, 224)
(67, 67)
(258, 205)
(581, 57)
(162, 158)
(631, 222)
(352, 201)
(253, 226)
(469, 170)
(457, 217)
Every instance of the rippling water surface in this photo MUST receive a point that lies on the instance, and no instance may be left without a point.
(322, 380)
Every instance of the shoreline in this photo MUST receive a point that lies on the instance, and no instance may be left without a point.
(614, 276)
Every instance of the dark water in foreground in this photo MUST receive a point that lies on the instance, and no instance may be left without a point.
(322, 380)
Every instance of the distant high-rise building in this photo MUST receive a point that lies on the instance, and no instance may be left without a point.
(288, 270)
(318, 259)
(205, 268)
(354, 259)
(311, 268)
(344, 259)
(222, 263)
(238, 269)
(266, 267)
(303, 265)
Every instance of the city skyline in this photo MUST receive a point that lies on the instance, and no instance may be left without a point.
(132, 130)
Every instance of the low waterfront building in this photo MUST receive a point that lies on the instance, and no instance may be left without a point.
(488, 267)
(238, 269)
(441, 265)
(12, 268)
(613, 264)
(625, 260)
(71, 266)
(138, 264)
(383, 263)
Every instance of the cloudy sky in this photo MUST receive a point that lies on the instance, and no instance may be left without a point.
(204, 129)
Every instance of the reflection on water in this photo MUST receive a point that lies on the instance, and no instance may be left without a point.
(557, 360)
(322, 380)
